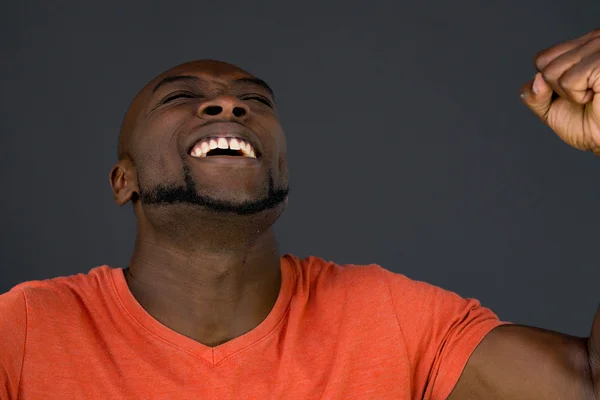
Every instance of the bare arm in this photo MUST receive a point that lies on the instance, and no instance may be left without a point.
(519, 362)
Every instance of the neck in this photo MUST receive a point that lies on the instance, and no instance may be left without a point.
(212, 282)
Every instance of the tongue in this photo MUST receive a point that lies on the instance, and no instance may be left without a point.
(224, 152)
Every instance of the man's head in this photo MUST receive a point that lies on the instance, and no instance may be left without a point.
(203, 137)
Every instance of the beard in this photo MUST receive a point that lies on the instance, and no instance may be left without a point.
(188, 194)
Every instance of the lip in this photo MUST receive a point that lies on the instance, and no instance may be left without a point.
(227, 160)
(223, 129)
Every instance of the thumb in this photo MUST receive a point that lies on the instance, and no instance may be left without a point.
(537, 95)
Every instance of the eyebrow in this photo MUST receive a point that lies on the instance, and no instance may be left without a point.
(193, 79)
(258, 82)
(176, 78)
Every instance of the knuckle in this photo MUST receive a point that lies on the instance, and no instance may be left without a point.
(538, 58)
(564, 82)
(594, 41)
(550, 74)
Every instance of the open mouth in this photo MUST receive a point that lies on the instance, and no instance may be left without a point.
(223, 146)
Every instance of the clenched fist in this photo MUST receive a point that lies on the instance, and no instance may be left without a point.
(565, 93)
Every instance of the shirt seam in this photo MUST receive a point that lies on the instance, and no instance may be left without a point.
(25, 304)
(399, 326)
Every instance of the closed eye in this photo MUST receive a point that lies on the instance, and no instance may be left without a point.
(260, 99)
(177, 95)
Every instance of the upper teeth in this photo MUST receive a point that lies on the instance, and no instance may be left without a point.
(201, 148)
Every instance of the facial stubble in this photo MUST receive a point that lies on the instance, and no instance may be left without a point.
(187, 193)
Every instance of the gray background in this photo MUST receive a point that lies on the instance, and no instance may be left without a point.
(409, 146)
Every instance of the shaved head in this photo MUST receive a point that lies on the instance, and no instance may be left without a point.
(205, 103)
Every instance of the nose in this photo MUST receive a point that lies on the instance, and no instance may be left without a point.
(223, 107)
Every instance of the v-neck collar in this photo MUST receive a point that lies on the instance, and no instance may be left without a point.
(212, 355)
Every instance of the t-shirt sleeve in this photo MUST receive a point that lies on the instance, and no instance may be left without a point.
(440, 329)
(13, 327)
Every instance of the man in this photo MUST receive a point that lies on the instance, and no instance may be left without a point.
(209, 309)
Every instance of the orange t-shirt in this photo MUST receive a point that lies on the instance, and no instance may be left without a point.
(335, 332)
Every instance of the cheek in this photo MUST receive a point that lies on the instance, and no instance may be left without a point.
(156, 157)
(158, 168)
(282, 159)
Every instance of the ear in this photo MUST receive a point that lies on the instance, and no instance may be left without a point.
(123, 180)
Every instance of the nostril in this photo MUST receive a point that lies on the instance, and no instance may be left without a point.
(239, 112)
(213, 110)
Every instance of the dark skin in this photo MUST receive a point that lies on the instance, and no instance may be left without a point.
(519, 362)
(210, 269)
(209, 275)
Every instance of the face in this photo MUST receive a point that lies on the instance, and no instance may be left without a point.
(206, 134)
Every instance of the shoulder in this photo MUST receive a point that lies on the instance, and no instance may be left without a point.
(411, 298)
(364, 285)
(318, 271)
(13, 333)
(28, 316)
(55, 295)
(358, 276)
(12, 311)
